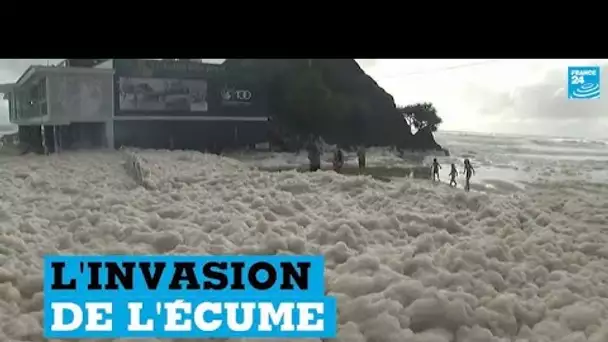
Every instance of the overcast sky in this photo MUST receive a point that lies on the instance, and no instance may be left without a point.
(494, 96)
(499, 96)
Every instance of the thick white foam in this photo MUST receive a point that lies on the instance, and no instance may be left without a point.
(408, 261)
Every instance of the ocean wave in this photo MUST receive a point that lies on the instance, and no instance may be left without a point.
(568, 141)
(508, 139)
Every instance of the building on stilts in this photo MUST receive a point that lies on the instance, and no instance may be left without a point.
(181, 104)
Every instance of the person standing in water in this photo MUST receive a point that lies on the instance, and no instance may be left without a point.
(314, 156)
(453, 175)
(436, 168)
(338, 160)
(361, 158)
(468, 172)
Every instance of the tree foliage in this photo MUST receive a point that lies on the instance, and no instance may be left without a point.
(421, 116)
(304, 102)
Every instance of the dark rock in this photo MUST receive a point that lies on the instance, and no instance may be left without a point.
(424, 139)
(364, 114)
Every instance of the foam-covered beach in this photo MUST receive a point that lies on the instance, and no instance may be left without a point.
(408, 260)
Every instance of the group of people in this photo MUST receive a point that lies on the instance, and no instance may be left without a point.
(314, 158)
(468, 172)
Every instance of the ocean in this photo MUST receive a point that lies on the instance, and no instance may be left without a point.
(503, 163)
(524, 160)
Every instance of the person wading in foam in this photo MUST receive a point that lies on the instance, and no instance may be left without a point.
(436, 168)
(361, 157)
(338, 160)
(453, 175)
(468, 171)
(314, 156)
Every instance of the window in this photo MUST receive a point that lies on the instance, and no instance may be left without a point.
(16, 104)
(11, 106)
(41, 96)
(31, 100)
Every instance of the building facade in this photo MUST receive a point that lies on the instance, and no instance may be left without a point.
(144, 103)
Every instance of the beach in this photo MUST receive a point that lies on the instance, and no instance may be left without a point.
(504, 163)
(522, 257)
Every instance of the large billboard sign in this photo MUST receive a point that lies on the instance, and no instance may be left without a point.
(162, 94)
(184, 88)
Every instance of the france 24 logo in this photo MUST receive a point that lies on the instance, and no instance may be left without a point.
(584, 83)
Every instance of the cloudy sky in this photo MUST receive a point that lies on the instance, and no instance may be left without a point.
(495, 96)
(498, 96)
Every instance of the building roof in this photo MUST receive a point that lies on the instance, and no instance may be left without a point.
(5, 89)
(42, 70)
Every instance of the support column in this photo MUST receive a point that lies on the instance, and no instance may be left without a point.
(109, 134)
(236, 135)
(43, 136)
(55, 138)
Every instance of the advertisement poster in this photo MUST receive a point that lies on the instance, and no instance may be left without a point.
(163, 94)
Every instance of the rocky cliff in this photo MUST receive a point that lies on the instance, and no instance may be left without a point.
(333, 98)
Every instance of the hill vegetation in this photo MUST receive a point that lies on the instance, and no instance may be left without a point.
(336, 100)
